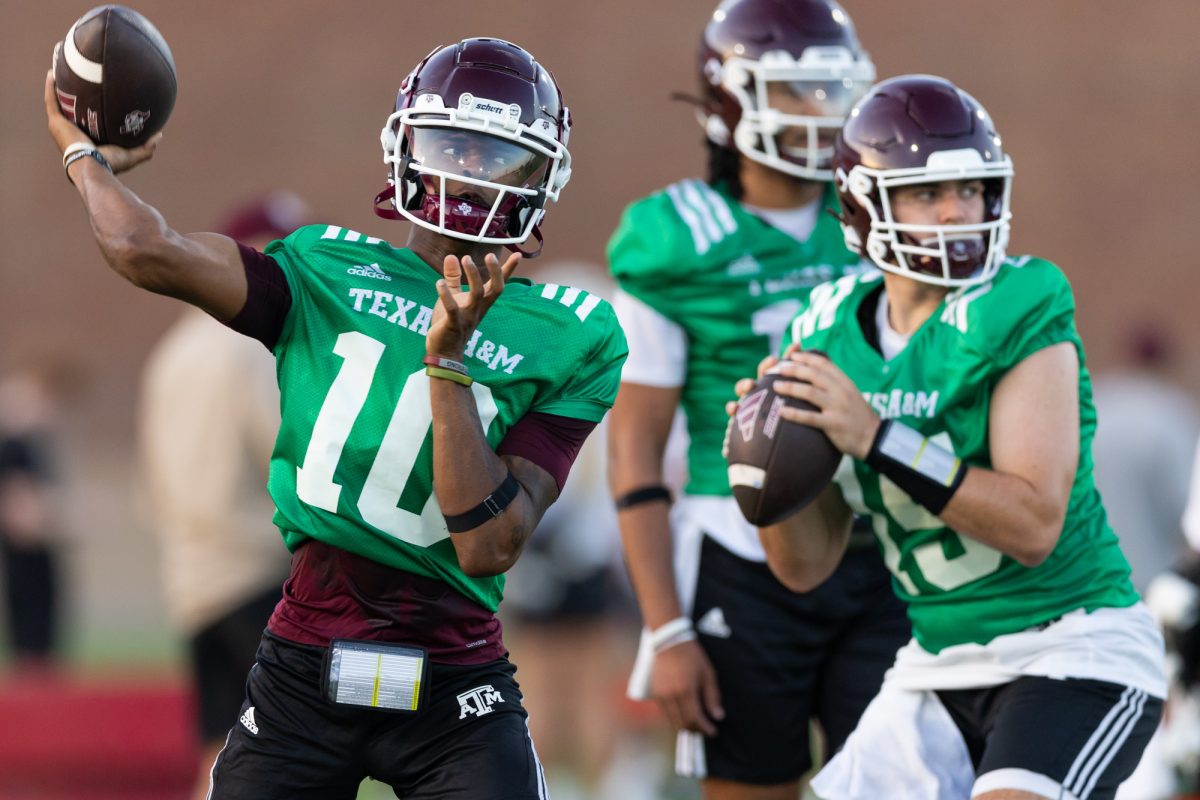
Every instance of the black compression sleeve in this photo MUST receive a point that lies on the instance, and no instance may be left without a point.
(268, 298)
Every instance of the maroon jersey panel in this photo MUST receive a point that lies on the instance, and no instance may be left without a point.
(334, 594)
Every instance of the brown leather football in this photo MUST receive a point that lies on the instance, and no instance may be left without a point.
(115, 77)
(776, 467)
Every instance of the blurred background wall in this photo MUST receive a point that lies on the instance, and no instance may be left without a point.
(1095, 99)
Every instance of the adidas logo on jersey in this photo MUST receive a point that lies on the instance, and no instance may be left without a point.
(247, 719)
(369, 271)
(740, 267)
(713, 624)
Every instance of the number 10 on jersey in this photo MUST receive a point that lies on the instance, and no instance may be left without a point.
(396, 458)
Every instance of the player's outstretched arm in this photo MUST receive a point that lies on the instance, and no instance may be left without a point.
(683, 683)
(204, 269)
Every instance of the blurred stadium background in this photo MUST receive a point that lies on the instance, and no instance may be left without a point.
(1096, 101)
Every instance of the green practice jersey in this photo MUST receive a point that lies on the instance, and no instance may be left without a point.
(731, 282)
(957, 589)
(353, 463)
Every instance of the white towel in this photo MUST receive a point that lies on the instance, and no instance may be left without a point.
(638, 687)
(906, 747)
(689, 755)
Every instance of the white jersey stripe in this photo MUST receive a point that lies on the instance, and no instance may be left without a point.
(569, 296)
(586, 307)
(1076, 775)
(549, 290)
(1116, 740)
(353, 236)
(720, 207)
(692, 196)
(332, 232)
(212, 771)
(543, 791)
(84, 67)
(689, 217)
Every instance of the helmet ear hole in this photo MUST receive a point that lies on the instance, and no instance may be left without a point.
(716, 130)
(561, 177)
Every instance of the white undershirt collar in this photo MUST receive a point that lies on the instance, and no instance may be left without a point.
(798, 222)
(891, 341)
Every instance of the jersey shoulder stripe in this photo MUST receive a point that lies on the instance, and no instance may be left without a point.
(705, 212)
(1028, 304)
(675, 232)
(346, 235)
(581, 302)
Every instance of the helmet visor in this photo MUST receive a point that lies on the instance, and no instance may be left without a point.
(478, 160)
(832, 98)
(807, 116)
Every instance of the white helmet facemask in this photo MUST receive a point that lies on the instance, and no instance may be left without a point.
(827, 80)
(945, 255)
(472, 166)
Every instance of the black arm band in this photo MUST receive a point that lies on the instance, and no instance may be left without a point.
(929, 474)
(647, 494)
(491, 507)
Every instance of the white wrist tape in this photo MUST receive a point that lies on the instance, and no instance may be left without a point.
(669, 634)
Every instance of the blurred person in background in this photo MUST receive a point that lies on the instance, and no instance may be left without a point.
(709, 271)
(31, 398)
(1174, 597)
(1146, 433)
(432, 406)
(207, 422)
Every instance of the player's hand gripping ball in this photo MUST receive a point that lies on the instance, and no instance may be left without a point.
(115, 77)
(776, 467)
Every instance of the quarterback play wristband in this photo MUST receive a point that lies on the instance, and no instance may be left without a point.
(490, 507)
(929, 474)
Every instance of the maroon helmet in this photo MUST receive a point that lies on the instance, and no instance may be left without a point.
(477, 144)
(918, 129)
(778, 78)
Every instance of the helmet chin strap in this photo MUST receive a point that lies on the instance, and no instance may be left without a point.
(536, 233)
(387, 196)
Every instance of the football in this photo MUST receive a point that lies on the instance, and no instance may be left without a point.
(115, 77)
(776, 467)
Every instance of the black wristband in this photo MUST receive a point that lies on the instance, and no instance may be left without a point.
(647, 494)
(490, 507)
(929, 474)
